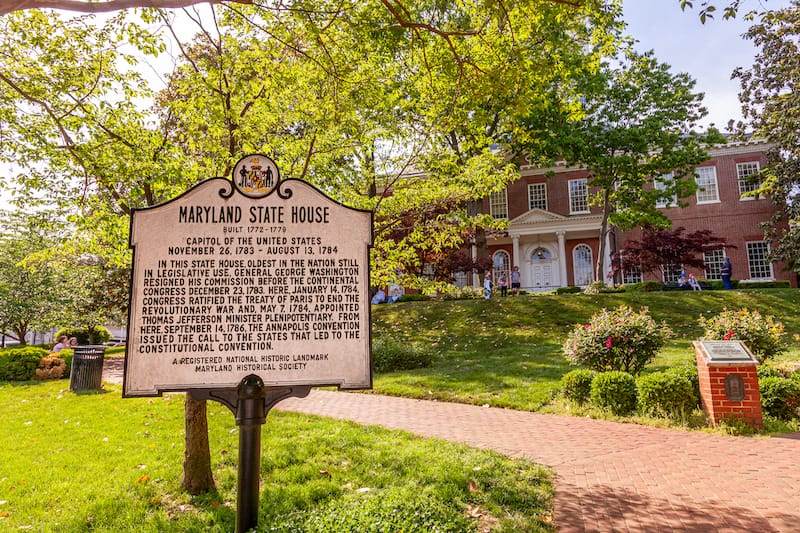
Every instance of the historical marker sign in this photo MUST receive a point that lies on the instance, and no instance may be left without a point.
(727, 352)
(249, 276)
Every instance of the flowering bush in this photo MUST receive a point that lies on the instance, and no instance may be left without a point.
(763, 335)
(622, 339)
(451, 292)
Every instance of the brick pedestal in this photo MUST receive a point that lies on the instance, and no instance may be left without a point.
(729, 388)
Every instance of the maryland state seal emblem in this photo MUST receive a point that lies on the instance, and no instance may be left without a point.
(255, 175)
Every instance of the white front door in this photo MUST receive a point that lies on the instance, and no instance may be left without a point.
(544, 275)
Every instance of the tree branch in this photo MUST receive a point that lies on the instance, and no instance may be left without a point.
(9, 6)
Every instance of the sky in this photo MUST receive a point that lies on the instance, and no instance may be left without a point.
(707, 52)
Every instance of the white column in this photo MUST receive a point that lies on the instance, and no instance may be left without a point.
(515, 241)
(476, 276)
(562, 258)
(607, 258)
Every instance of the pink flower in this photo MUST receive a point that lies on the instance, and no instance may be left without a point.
(608, 342)
(587, 326)
(729, 335)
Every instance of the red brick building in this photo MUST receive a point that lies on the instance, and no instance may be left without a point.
(553, 232)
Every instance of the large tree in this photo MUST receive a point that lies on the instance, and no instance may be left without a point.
(634, 139)
(32, 295)
(661, 249)
(771, 103)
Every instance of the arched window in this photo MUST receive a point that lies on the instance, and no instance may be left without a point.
(500, 265)
(582, 265)
(541, 254)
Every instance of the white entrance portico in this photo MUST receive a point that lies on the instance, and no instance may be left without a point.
(540, 248)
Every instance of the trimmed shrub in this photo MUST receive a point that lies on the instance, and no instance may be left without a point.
(670, 394)
(718, 286)
(413, 298)
(101, 334)
(568, 290)
(389, 355)
(766, 371)
(651, 286)
(20, 364)
(576, 386)
(622, 339)
(780, 397)
(66, 354)
(50, 367)
(763, 335)
(615, 391)
(778, 284)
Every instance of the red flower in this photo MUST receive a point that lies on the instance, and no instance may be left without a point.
(608, 342)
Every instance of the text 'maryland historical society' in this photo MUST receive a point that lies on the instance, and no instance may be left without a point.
(250, 276)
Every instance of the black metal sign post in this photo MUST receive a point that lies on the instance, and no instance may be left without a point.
(250, 402)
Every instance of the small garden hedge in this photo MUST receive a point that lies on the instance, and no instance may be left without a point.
(20, 364)
(615, 391)
(389, 355)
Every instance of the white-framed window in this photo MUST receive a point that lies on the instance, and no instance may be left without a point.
(747, 175)
(713, 261)
(428, 271)
(582, 265)
(757, 260)
(671, 272)
(578, 196)
(461, 279)
(498, 204)
(660, 184)
(541, 254)
(632, 274)
(537, 196)
(500, 265)
(707, 191)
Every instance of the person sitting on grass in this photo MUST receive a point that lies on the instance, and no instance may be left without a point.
(61, 343)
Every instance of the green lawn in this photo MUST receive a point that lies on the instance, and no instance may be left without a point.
(97, 462)
(506, 352)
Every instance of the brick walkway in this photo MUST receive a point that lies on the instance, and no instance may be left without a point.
(610, 476)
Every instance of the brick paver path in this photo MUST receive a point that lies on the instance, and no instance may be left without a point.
(611, 477)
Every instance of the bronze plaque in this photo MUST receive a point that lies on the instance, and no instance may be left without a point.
(727, 352)
(250, 276)
(734, 388)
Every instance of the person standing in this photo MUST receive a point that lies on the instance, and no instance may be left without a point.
(726, 271)
(515, 281)
(487, 286)
(502, 284)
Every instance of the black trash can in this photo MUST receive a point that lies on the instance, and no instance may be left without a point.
(87, 368)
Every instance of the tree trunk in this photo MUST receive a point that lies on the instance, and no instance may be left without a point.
(599, 275)
(197, 477)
